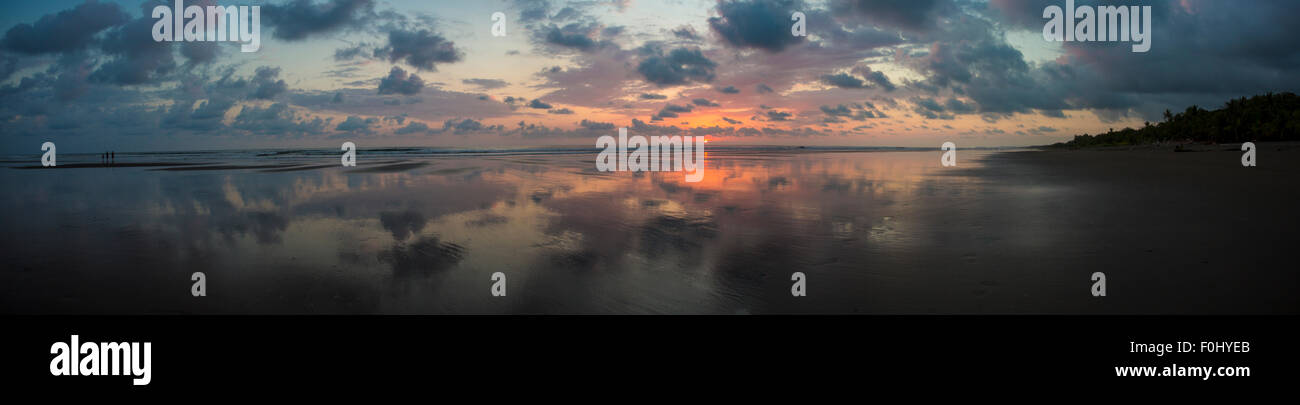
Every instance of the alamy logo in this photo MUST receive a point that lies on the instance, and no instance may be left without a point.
(214, 23)
(90, 358)
(1101, 23)
(659, 153)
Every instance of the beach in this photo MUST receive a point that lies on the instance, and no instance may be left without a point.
(873, 231)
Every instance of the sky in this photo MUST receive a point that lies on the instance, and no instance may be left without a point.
(89, 76)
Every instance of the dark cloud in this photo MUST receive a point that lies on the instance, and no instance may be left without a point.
(486, 84)
(778, 115)
(679, 66)
(566, 13)
(685, 108)
(422, 49)
(854, 111)
(686, 32)
(573, 36)
(355, 124)
(539, 104)
(399, 82)
(276, 119)
(958, 107)
(1021, 13)
(651, 96)
(928, 108)
(267, 84)
(729, 90)
(875, 77)
(71, 81)
(413, 128)
(65, 31)
(353, 52)
(704, 102)
(207, 116)
(1042, 130)
(672, 111)
(844, 81)
(596, 126)
(731, 121)
(133, 56)
(467, 125)
(532, 10)
(298, 19)
(562, 111)
(201, 52)
(760, 24)
(763, 89)
(911, 15)
(8, 65)
(840, 110)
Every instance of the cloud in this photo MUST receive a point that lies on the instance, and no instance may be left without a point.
(65, 31)
(930, 109)
(731, 121)
(266, 84)
(467, 125)
(207, 116)
(584, 37)
(840, 110)
(910, 15)
(596, 126)
(854, 111)
(276, 119)
(358, 51)
(486, 84)
(422, 49)
(201, 52)
(598, 79)
(844, 81)
(729, 90)
(704, 102)
(134, 57)
(958, 107)
(877, 78)
(399, 82)
(652, 96)
(562, 111)
(298, 19)
(672, 111)
(763, 89)
(1042, 130)
(355, 124)
(685, 108)
(679, 66)
(758, 24)
(778, 115)
(532, 10)
(686, 32)
(539, 104)
(412, 128)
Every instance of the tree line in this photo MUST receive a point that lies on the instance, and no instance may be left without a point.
(1262, 118)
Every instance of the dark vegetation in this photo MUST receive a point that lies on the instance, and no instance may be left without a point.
(1269, 117)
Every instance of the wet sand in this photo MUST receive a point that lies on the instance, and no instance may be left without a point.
(1175, 233)
(875, 232)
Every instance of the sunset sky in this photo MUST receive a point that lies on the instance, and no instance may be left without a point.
(88, 75)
